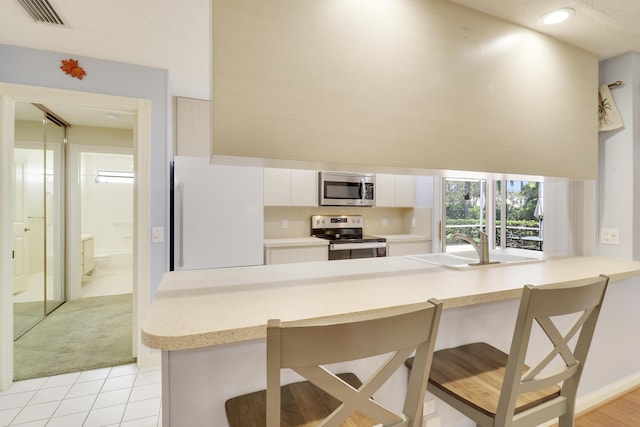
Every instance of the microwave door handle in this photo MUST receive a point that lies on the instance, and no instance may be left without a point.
(363, 189)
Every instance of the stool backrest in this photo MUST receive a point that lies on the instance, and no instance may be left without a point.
(550, 306)
(305, 346)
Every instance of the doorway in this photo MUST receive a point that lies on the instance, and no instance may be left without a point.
(101, 303)
(39, 216)
(140, 110)
(106, 206)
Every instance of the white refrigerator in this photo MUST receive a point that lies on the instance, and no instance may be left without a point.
(217, 215)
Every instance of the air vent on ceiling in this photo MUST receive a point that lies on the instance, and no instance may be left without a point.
(41, 11)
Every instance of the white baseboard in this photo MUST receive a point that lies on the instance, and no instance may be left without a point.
(609, 392)
(600, 396)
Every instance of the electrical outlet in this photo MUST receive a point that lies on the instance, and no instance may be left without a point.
(610, 236)
(285, 223)
(429, 407)
(413, 223)
(384, 222)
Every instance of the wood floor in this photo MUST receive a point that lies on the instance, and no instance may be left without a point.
(621, 412)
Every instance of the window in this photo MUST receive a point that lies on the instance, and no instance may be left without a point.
(465, 210)
(119, 177)
(516, 213)
(519, 215)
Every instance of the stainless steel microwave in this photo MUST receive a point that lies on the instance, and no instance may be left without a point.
(346, 189)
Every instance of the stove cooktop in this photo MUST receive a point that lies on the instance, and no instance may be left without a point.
(341, 229)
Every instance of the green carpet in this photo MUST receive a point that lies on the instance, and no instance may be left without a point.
(25, 315)
(83, 334)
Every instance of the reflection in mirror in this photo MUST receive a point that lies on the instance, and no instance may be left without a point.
(38, 217)
(28, 223)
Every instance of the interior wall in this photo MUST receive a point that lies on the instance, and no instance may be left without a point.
(408, 84)
(111, 78)
(107, 208)
(618, 189)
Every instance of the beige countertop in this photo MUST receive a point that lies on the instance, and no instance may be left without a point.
(200, 308)
(295, 241)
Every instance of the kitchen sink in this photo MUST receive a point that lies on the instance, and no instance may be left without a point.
(469, 259)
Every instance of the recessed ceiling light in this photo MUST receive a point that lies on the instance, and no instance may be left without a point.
(557, 16)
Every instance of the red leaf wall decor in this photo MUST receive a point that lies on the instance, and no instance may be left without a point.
(70, 66)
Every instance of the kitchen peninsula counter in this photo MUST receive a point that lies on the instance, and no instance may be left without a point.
(210, 324)
(201, 308)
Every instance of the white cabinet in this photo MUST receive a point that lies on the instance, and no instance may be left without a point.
(192, 129)
(290, 187)
(287, 255)
(395, 190)
(304, 249)
(413, 247)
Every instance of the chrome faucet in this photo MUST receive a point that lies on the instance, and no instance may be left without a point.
(482, 249)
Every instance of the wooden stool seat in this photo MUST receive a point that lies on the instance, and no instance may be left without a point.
(474, 373)
(495, 389)
(303, 405)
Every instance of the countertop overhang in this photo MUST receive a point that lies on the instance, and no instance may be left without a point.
(200, 308)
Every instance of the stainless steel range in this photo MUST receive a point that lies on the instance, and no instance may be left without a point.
(344, 233)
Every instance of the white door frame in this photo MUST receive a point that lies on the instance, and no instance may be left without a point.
(9, 94)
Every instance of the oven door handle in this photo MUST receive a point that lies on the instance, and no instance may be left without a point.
(350, 246)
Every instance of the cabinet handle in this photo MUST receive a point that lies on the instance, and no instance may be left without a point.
(180, 195)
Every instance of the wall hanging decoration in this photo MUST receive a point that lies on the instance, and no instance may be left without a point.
(609, 117)
(70, 66)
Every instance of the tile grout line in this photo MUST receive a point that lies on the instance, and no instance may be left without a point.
(109, 375)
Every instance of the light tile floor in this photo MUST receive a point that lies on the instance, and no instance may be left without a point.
(118, 396)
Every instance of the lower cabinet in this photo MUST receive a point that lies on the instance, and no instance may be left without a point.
(292, 254)
(412, 247)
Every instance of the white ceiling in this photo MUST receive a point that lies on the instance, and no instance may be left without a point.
(604, 27)
(174, 34)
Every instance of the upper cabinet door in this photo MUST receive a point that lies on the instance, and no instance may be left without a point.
(395, 190)
(385, 190)
(304, 187)
(405, 191)
(290, 187)
(277, 187)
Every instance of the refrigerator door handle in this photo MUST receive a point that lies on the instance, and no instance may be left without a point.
(180, 191)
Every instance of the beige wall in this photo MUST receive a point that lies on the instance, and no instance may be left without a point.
(105, 137)
(377, 221)
(423, 84)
